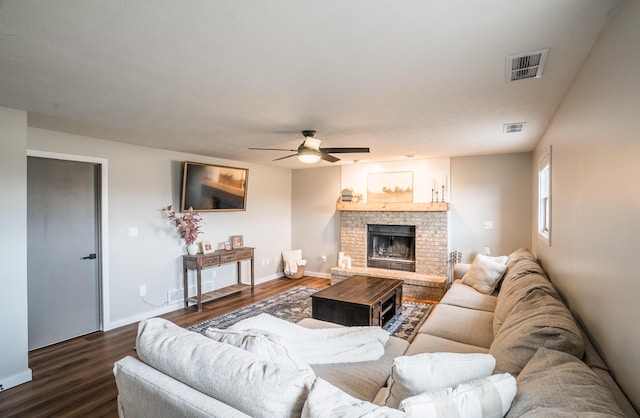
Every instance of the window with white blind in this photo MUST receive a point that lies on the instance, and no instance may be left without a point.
(544, 196)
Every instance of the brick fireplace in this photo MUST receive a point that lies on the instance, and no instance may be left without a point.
(431, 232)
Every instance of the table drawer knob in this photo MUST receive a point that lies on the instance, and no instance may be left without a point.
(245, 254)
(226, 258)
(211, 261)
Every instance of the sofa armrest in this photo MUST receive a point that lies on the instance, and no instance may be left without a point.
(460, 270)
(147, 392)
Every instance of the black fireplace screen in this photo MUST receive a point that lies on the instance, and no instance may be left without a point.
(391, 247)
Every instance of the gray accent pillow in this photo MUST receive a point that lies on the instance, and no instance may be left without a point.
(556, 384)
(538, 320)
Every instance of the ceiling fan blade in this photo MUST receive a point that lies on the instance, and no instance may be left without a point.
(329, 158)
(282, 158)
(343, 150)
(274, 149)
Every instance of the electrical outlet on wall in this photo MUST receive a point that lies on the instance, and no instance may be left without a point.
(175, 295)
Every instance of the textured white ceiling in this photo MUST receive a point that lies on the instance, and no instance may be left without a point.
(418, 77)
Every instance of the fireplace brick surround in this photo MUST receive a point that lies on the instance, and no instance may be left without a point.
(431, 246)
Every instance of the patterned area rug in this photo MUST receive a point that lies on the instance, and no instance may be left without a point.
(295, 304)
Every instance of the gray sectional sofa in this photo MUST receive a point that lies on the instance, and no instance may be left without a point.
(524, 325)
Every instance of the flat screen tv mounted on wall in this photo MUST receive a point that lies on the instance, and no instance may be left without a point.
(213, 188)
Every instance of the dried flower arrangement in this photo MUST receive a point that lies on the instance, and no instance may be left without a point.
(188, 225)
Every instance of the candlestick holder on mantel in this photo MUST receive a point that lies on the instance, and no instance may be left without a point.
(439, 190)
(436, 197)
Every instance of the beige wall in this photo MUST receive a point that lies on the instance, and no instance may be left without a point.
(494, 188)
(501, 193)
(596, 199)
(315, 222)
(14, 365)
(143, 180)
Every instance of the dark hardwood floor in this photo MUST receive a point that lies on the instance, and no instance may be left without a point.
(75, 378)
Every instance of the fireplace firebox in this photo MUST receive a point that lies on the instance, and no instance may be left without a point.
(391, 247)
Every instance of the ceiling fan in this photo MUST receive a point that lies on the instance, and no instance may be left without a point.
(310, 152)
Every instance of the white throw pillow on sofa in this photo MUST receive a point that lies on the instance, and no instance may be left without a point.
(328, 401)
(267, 346)
(485, 273)
(413, 375)
(489, 397)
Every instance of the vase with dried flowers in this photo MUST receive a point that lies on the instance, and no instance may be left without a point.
(188, 226)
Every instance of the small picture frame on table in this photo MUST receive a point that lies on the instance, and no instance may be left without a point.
(227, 245)
(207, 247)
(236, 241)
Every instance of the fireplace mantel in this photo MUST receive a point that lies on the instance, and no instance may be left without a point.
(394, 207)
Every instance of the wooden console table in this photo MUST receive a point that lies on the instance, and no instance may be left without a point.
(199, 262)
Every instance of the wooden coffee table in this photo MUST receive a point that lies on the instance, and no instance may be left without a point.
(359, 301)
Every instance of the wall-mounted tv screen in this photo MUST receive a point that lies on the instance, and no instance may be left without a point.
(210, 188)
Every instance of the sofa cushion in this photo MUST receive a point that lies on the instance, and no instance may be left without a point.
(518, 255)
(538, 320)
(464, 325)
(488, 397)
(425, 343)
(556, 384)
(229, 374)
(362, 380)
(485, 273)
(618, 395)
(413, 375)
(511, 295)
(267, 346)
(326, 400)
(467, 297)
(519, 264)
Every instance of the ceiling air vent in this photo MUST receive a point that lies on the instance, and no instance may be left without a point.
(527, 65)
(509, 128)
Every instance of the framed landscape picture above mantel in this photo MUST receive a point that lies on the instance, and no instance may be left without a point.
(213, 188)
(390, 187)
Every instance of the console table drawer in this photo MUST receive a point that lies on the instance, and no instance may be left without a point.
(210, 260)
(244, 254)
(227, 258)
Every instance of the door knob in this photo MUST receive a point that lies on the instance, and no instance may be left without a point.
(89, 257)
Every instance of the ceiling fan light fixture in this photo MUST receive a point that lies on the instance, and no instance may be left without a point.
(308, 156)
(312, 143)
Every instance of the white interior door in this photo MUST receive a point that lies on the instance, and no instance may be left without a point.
(62, 240)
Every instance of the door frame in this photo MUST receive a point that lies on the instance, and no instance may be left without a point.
(103, 227)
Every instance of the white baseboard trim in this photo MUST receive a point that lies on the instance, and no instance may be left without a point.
(144, 315)
(317, 274)
(8, 382)
(169, 308)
